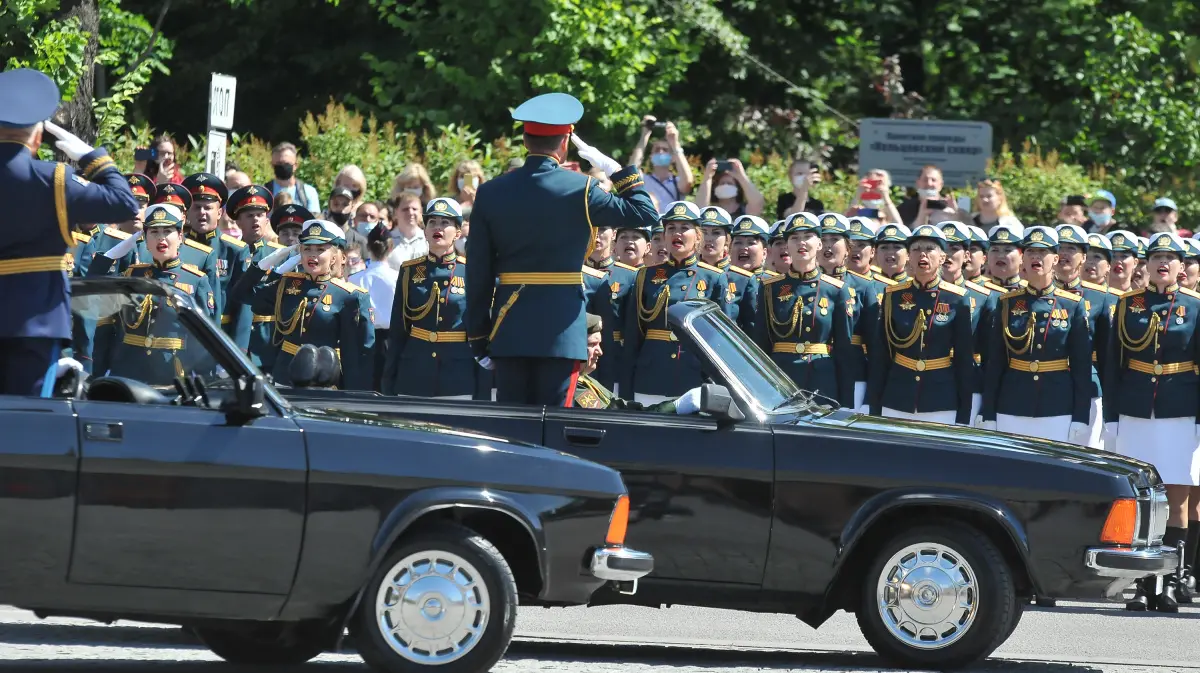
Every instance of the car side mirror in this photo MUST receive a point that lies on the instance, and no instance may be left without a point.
(249, 395)
(716, 401)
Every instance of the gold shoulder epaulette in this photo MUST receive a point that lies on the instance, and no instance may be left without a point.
(1063, 294)
(710, 267)
(226, 238)
(273, 244)
(1191, 293)
(623, 265)
(594, 273)
(197, 245)
(1009, 294)
(1115, 292)
(413, 262)
(739, 270)
(947, 286)
(347, 285)
(116, 233)
(293, 274)
(772, 274)
(836, 282)
(460, 259)
(855, 273)
(977, 288)
(193, 268)
(885, 280)
(876, 269)
(774, 279)
(1092, 286)
(94, 230)
(80, 237)
(1133, 292)
(992, 286)
(895, 287)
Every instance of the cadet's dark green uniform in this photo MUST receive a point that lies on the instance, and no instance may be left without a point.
(590, 394)
(597, 298)
(619, 277)
(231, 257)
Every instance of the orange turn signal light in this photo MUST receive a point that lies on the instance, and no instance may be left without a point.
(1121, 523)
(618, 522)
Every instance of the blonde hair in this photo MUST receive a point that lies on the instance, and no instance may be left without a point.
(355, 175)
(414, 173)
(1002, 210)
(465, 168)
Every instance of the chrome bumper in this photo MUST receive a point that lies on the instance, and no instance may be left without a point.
(619, 564)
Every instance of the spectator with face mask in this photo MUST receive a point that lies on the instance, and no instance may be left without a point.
(285, 159)
(366, 217)
(669, 177)
(930, 185)
(468, 175)
(341, 204)
(726, 184)
(414, 179)
(1100, 213)
(1165, 216)
(803, 175)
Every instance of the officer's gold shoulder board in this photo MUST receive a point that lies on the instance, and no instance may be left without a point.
(1009, 294)
(947, 286)
(896, 287)
(1132, 292)
(294, 274)
(1092, 286)
(1063, 294)
(774, 279)
(773, 274)
(739, 270)
(413, 262)
(273, 244)
(229, 240)
(625, 266)
(992, 286)
(710, 267)
(885, 280)
(876, 269)
(594, 273)
(193, 268)
(116, 233)
(855, 273)
(460, 259)
(1191, 293)
(976, 287)
(197, 245)
(94, 230)
(80, 237)
(347, 285)
(832, 281)
(1115, 292)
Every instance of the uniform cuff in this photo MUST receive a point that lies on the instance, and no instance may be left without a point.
(626, 179)
(95, 161)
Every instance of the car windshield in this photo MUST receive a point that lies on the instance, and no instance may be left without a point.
(748, 368)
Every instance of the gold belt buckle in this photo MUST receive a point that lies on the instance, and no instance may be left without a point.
(1033, 366)
(920, 365)
(1158, 370)
(433, 337)
(149, 341)
(800, 348)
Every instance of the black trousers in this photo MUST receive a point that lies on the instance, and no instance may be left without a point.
(25, 365)
(542, 381)
(381, 351)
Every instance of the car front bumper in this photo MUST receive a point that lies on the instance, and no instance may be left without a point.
(1124, 566)
(621, 564)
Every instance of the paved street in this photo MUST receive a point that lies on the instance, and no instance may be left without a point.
(1078, 638)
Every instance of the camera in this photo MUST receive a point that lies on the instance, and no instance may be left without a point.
(936, 204)
(724, 166)
(146, 154)
(650, 125)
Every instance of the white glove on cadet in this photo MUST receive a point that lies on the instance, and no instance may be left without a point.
(860, 393)
(68, 143)
(486, 363)
(987, 425)
(1078, 434)
(688, 403)
(289, 265)
(124, 247)
(595, 157)
(1109, 435)
(65, 365)
(976, 403)
(277, 257)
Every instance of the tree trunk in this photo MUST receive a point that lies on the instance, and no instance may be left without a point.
(76, 114)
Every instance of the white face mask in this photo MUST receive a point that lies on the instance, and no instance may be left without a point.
(928, 193)
(799, 179)
(725, 191)
(415, 191)
(463, 183)
(460, 244)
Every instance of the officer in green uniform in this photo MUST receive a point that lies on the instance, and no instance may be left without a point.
(536, 340)
(981, 298)
(835, 251)
(1004, 258)
(657, 253)
(1098, 302)
(804, 321)
(287, 221)
(916, 367)
(191, 252)
(250, 207)
(739, 283)
(749, 247)
(1099, 261)
(312, 307)
(591, 394)
(232, 257)
(145, 341)
(891, 252)
(102, 240)
(605, 284)
(654, 365)
(427, 353)
(1037, 380)
(862, 254)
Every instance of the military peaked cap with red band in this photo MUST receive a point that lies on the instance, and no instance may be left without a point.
(550, 114)
(250, 197)
(290, 215)
(141, 186)
(206, 187)
(173, 194)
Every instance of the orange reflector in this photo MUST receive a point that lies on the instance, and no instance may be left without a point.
(1121, 523)
(619, 522)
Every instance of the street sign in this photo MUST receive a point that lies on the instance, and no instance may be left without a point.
(903, 146)
(214, 154)
(221, 94)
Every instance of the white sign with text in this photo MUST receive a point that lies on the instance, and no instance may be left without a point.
(903, 146)
(214, 154)
(222, 92)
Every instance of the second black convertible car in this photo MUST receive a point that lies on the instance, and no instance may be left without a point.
(164, 494)
(771, 500)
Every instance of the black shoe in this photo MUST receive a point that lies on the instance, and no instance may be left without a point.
(1046, 603)
(1144, 599)
(1185, 594)
(1168, 600)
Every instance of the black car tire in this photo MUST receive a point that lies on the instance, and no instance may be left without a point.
(995, 617)
(269, 644)
(494, 572)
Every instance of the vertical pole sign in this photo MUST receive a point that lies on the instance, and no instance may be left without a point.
(221, 94)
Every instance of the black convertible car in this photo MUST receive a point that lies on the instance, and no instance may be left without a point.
(210, 501)
(773, 500)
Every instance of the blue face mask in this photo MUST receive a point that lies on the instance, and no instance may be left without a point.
(1100, 218)
(660, 159)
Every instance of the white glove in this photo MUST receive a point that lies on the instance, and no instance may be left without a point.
(289, 265)
(486, 363)
(976, 403)
(860, 393)
(277, 257)
(65, 365)
(595, 157)
(688, 403)
(987, 425)
(1078, 434)
(1109, 435)
(124, 247)
(68, 143)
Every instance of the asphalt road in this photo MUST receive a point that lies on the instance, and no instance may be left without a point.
(1075, 638)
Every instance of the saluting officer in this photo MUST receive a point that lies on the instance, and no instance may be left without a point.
(1037, 379)
(232, 257)
(891, 253)
(43, 201)
(654, 365)
(250, 208)
(427, 352)
(864, 309)
(918, 366)
(1004, 258)
(146, 341)
(103, 239)
(312, 307)
(717, 229)
(1152, 393)
(749, 249)
(804, 321)
(537, 340)
(1098, 301)
(981, 298)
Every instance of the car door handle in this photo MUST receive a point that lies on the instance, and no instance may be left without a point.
(583, 436)
(104, 432)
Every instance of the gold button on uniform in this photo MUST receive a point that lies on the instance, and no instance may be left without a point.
(433, 355)
(1158, 370)
(672, 356)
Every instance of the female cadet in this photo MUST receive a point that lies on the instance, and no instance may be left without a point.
(1037, 376)
(312, 307)
(922, 365)
(427, 351)
(654, 366)
(1189, 276)
(1126, 248)
(1004, 257)
(1151, 393)
(804, 318)
(145, 341)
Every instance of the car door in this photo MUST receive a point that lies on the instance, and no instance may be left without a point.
(39, 457)
(175, 497)
(700, 493)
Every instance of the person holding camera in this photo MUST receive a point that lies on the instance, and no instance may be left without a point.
(873, 198)
(803, 175)
(726, 184)
(663, 183)
(931, 205)
(157, 162)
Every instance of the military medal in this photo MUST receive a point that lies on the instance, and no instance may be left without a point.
(824, 304)
(1019, 307)
(700, 286)
(785, 293)
(326, 301)
(1139, 304)
(660, 276)
(941, 312)
(906, 301)
(294, 287)
(418, 275)
(1180, 312)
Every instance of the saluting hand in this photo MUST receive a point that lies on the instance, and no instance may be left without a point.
(124, 247)
(595, 157)
(292, 263)
(68, 143)
(277, 257)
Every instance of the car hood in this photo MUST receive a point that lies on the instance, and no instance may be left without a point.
(1000, 443)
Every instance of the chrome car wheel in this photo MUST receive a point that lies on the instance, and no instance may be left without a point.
(927, 596)
(432, 607)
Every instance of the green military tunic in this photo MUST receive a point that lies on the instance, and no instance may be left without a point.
(589, 394)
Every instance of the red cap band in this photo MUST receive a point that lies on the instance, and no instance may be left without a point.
(539, 129)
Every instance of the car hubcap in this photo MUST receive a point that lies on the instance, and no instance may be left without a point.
(432, 607)
(927, 596)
